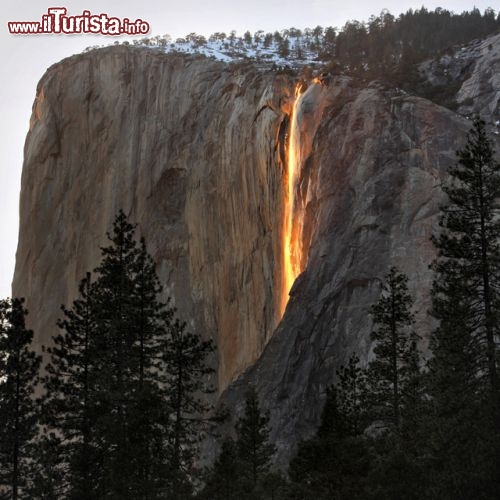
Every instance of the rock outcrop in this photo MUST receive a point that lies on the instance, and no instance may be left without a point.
(473, 71)
(194, 151)
(188, 148)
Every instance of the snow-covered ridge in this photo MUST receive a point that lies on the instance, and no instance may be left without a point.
(291, 48)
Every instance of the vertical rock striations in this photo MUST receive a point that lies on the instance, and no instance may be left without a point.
(188, 148)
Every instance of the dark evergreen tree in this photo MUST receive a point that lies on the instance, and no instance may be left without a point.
(131, 324)
(395, 366)
(272, 486)
(336, 461)
(106, 405)
(395, 395)
(187, 383)
(19, 367)
(283, 47)
(254, 448)
(69, 406)
(463, 373)
(223, 479)
(243, 468)
(268, 40)
(247, 37)
(48, 475)
(349, 406)
(364, 446)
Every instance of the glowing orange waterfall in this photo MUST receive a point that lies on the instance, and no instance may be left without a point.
(291, 241)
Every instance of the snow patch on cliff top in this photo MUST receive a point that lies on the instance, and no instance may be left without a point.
(284, 51)
(232, 52)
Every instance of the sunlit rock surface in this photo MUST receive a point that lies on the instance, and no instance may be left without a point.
(188, 148)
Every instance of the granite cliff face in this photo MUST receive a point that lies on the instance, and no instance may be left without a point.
(196, 153)
(188, 148)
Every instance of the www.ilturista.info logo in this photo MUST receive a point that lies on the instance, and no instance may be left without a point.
(57, 22)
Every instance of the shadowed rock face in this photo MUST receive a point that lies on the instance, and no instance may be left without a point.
(373, 199)
(193, 150)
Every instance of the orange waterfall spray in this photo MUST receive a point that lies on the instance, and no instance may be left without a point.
(291, 244)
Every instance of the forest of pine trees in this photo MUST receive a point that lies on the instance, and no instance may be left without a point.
(121, 407)
(385, 47)
(120, 412)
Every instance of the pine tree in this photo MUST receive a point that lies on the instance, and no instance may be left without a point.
(395, 394)
(336, 461)
(394, 367)
(456, 424)
(463, 373)
(19, 367)
(273, 486)
(48, 475)
(186, 377)
(254, 448)
(105, 411)
(350, 402)
(284, 47)
(469, 244)
(69, 406)
(243, 468)
(131, 324)
(223, 479)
